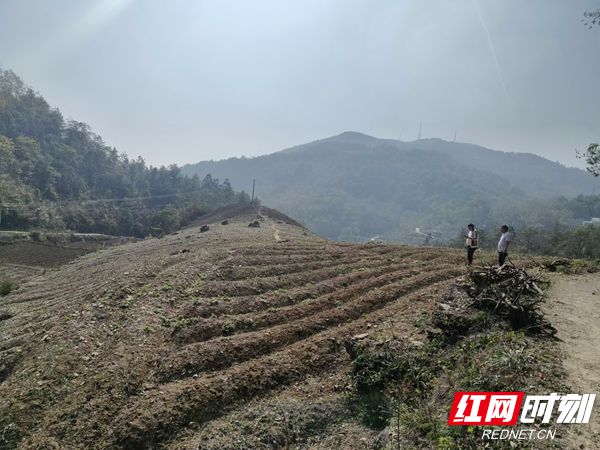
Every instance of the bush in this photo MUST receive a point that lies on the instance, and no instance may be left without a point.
(6, 287)
(35, 236)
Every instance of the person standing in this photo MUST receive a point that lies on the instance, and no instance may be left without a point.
(471, 242)
(503, 245)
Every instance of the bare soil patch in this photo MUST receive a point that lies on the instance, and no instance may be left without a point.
(573, 307)
(37, 254)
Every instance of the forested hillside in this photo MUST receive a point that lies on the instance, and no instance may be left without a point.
(58, 174)
(356, 187)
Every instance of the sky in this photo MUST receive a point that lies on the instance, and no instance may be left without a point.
(190, 80)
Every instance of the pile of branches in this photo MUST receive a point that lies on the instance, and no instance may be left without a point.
(552, 265)
(512, 294)
(555, 264)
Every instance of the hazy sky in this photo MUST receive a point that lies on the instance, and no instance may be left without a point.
(183, 81)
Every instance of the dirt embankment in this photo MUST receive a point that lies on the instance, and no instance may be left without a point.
(231, 337)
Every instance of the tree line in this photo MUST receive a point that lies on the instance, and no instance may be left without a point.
(58, 174)
(570, 242)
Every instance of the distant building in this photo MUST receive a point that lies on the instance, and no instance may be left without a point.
(594, 221)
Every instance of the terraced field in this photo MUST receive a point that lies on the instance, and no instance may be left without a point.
(231, 338)
(22, 258)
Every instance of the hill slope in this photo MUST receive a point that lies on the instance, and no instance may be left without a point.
(142, 345)
(57, 174)
(355, 186)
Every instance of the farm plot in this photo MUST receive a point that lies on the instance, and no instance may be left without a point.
(232, 338)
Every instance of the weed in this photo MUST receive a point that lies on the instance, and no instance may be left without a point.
(581, 266)
(180, 323)
(408, 388)
(127, 302)
(228, 328)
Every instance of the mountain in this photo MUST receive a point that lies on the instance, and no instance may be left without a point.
(355, 187)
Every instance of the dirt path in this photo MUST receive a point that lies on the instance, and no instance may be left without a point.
(574, 309)
(276, 233)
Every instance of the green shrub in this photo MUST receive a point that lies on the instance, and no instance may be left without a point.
(35, 236)
(6, 287)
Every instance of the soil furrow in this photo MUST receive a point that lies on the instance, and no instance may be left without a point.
(209, 328)
(156, 417)
(210, 355)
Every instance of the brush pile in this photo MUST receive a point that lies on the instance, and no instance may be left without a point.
(512, 294)
(556, 263)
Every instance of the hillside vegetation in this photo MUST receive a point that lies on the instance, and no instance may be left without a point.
(355, 187)
(58, 174)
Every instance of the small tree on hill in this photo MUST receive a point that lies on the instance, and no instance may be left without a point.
(592, 154)
(591, 18)
(592, 159)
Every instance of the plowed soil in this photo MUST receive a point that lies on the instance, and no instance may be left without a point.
(228, 339)
(38, 255)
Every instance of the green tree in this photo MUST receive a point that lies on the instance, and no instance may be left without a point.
(592, 159)
(592, 154)
(591, 18)
(61, 174)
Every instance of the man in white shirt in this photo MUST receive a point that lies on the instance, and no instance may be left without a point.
(503, 245)
(471, 243)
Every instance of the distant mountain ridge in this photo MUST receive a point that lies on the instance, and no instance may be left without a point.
(353, 186)
(509, 165)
